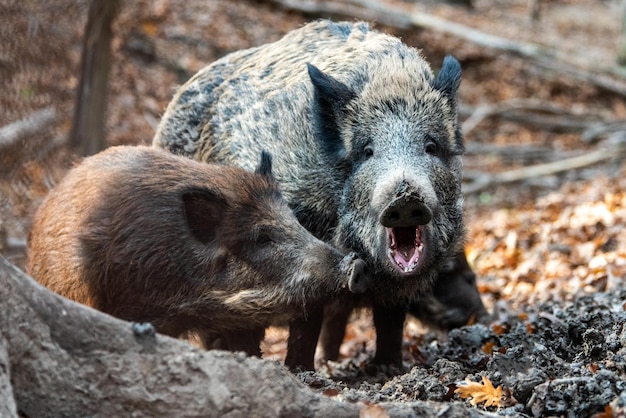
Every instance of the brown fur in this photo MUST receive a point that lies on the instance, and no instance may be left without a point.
(148, 236)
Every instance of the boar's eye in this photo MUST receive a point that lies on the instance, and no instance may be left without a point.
(368, 151)
(432, 148)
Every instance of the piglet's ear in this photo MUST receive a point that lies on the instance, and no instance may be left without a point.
(448, 79)
(330, 98)
(265, 165)
(203, 211)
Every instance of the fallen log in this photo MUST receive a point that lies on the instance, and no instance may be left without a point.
(67, 360)
(7, 401)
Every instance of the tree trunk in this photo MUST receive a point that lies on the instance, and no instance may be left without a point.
(67, 360)
(88, 130)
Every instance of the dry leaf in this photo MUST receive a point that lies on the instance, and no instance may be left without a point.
(500, 329)
(607, 413)
(480, 392)
(330, 392)
(373, 411)
(149, 27)
(487, 348)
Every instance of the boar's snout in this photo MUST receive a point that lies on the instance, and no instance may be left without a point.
(359, 278)
(404, 220)
(405, 211)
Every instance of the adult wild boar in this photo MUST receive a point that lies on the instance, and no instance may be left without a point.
(367, 151)
(148, 236)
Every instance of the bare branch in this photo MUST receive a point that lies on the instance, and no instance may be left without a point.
(532, 112)
(29, 126)
(480, 183)
(597, 130)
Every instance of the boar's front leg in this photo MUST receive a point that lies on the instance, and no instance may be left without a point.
(389, 323)
(303, 335)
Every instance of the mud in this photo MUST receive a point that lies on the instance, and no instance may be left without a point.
(549, 360)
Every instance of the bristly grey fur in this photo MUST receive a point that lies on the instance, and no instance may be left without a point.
(264, 99)
(359, 127)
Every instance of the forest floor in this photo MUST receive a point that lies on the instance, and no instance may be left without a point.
(549, 251)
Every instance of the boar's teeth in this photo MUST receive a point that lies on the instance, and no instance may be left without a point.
(405, 247)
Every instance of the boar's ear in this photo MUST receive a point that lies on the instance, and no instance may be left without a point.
(330, 98)
(448, 79)
(265, 165)
(203, 212)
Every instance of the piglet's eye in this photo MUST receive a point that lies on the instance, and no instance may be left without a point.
(368, 151)
(263, 239)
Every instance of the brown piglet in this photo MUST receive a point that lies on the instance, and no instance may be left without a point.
(147, 236)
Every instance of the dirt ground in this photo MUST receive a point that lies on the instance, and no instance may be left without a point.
(550, 251)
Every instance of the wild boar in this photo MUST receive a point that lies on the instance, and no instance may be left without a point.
(367, 151)
(148, 236)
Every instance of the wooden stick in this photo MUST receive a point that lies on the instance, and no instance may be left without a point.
(533, 112)
(31, 125)
(489, 180)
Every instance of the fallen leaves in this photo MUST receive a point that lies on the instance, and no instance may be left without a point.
(373, 411)
(607, 413)
(565, 243)
(480, 392)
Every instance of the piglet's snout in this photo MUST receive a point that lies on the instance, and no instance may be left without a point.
(359, 278)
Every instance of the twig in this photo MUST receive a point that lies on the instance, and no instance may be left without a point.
(34, 123)
(489, 180)
(535, 112)
(597, 130)
(530, 152)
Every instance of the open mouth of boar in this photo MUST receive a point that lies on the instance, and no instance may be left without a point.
(405, 247)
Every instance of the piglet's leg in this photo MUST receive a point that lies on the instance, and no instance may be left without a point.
(248, 340)
(303, 335)
(336, 317)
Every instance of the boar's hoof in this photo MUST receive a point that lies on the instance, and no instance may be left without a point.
(359, 278)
